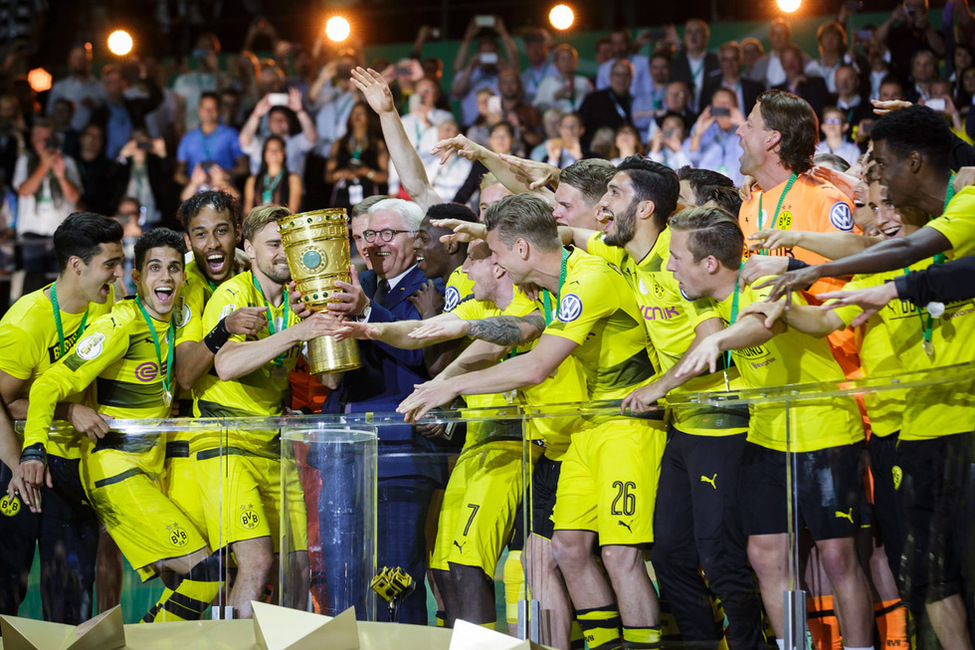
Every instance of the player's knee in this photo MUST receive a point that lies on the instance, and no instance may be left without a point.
(569, 552)
(838, 557)
(253, 559)
(206, 570)
(622, 559)
(463, 576)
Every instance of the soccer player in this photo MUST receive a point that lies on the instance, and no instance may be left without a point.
(36, 331)
(124, 362)
(705, 258)
(704, 444)
(609, 474)
(252, 381)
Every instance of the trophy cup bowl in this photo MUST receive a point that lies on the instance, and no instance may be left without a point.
(317, 246)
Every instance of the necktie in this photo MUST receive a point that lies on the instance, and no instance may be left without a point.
(381, 292)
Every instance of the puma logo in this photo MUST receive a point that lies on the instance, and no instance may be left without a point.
(624, 524)
(460, 547)
(843, 515)
(705, 479)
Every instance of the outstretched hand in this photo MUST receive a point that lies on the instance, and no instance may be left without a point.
(375, 89)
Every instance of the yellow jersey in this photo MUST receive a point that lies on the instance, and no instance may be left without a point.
(29, 345)
(934, 411)
(598, 312)
(116, 361)
(460, 288)
(670, 321)
(793, 358)
(957, 223)
(263, 392)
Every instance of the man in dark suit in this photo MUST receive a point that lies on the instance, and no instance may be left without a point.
(410, 469)
(612, 107)
(812, 89)
(747, 90)
(693, 64)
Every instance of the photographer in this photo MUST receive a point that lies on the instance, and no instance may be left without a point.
(906, 32)
(481, 70)
(142, 173)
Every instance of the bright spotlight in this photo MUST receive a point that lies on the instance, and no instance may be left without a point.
(119, 43)
(788, 6)
(561, 17)
(39, 80)
(337, 29)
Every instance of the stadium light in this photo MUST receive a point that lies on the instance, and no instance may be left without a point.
(788, 6)
(119, 42)
(561, 17)
(39, 79)
(337, 29)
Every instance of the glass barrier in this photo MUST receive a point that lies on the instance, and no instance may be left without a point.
(362, 510)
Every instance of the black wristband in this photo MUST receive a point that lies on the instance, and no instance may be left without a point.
(795, 265)
(217, 337)
(34, 452)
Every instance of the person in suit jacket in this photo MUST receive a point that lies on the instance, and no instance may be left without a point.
(410, 468)
(694, 65)
(812, 89)
(746, 90)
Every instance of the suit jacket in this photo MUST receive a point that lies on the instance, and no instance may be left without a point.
(680, 70)
(386, 377)
(813, 90)
(604, 108)
(750, 90)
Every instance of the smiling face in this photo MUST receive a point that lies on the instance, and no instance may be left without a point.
(101, 271)
(894, 172)
(617, 209)
(573, 210)
(391, 258)
(513, 260)
(159, 281)
(482, 270)
(212, 238)
(432, 256)
(887, 219)
(274, 153)
(267, 253)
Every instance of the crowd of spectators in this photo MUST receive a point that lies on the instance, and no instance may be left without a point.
(291, 128)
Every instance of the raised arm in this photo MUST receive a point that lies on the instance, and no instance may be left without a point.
(506, 171)
(412, 175)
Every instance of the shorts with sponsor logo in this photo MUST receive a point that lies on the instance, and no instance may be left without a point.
(608, 480)
(121, 477)
(479, 505)
(829, 483)
(250, 507)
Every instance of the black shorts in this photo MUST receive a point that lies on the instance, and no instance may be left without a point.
(935, 488)
(829, 483)
(545, 481)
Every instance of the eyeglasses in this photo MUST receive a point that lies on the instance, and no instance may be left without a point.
(832, 120)
(386, 234)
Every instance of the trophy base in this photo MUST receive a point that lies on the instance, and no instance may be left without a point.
(326, 355)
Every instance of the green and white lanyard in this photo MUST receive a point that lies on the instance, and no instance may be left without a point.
(775, 217)
(269, 186)
(279, 360)
(57, 320)
(731, 321)
(167, 378)
(927, 325)
(547, 298)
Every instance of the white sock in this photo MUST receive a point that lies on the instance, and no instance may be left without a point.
(780, 643)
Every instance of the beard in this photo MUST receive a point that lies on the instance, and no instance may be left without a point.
(624, 227)
(275, 273)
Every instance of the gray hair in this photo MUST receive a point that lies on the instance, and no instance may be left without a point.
(409, 211)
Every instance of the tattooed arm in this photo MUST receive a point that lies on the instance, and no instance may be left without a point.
(507, 330)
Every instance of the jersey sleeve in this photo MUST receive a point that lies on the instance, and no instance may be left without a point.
(957, 224)
(19, 351)
(189, 327)
(222, 303)
(105, 342)
(849, 312)
(581, 306)
(596, 246)
(834, 212)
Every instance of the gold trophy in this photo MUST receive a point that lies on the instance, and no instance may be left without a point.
(317, 246)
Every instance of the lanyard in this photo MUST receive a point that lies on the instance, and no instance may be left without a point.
(927, 325)
(618, 106)
(775, 218)
(279, 360)
(267, 192)
(57, 319)
(731, 321)
(546, 297)
(155, 341)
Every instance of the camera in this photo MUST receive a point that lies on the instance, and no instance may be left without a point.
(720, 111)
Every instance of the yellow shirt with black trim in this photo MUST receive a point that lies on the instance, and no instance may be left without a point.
(931, 411)
(793, 358)
(957, 223)
(263, 392)
(460, 289)
(29, 346)
(670, 320)
(598, 311)
(116, 361)
(566, 385)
